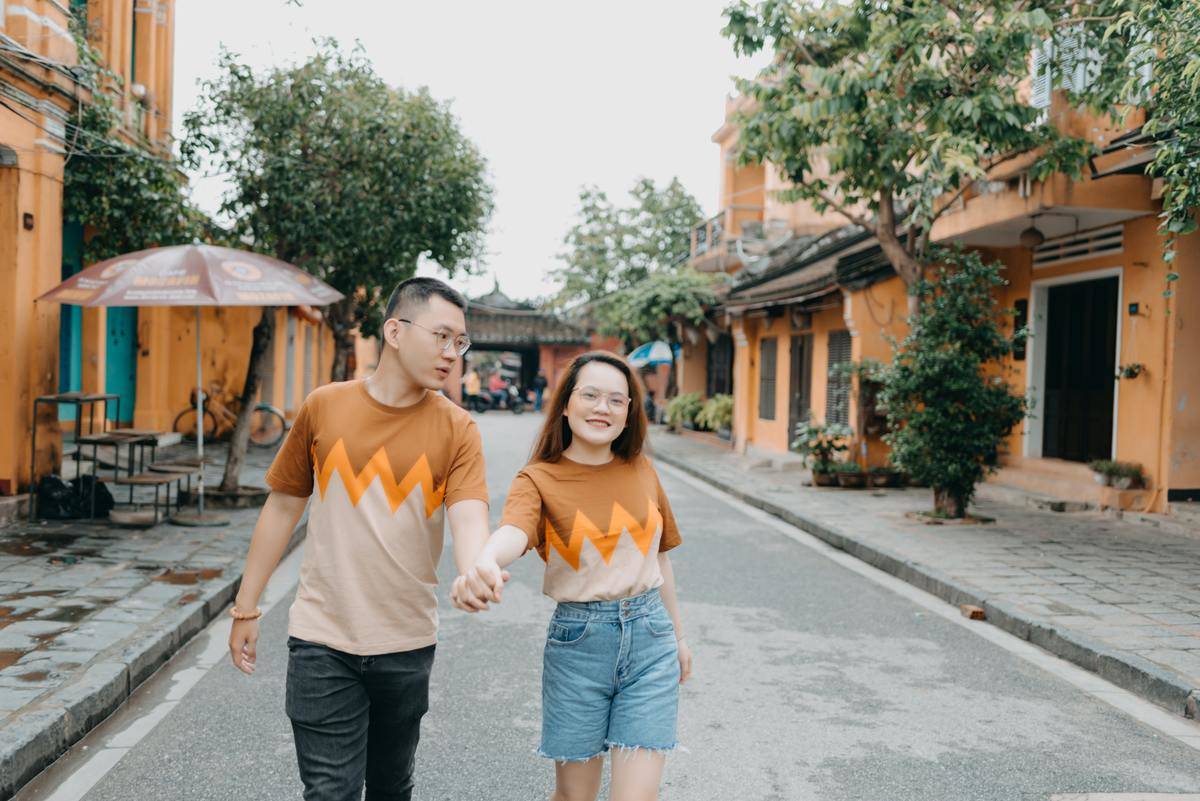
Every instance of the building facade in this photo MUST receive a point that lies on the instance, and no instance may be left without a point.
(1084, 264)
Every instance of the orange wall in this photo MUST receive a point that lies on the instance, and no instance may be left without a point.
(693, 365)
(1183, 402)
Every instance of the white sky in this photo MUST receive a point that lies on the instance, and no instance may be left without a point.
(556, 93)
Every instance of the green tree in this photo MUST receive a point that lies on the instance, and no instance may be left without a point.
(336, 172)
(948, 407)
(646, 310)
(1164, 73)
(126, 195)
(908, 104)
(613, 247)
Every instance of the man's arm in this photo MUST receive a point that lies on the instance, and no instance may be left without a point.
(276, 522)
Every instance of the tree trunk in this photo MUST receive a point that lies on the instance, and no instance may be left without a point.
(340, 317)
(260, 349)
(949, 504)
(903, 261)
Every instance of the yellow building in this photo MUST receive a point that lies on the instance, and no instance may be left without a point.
(144, 355)
(1083, 261)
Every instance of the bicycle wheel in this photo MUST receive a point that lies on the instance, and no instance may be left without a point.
(185, 423)
(266, 426)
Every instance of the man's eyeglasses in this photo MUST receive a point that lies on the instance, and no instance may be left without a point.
(445, 340)
(592, 396)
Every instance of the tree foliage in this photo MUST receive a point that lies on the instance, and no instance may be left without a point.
(643, 311)
(1166, 48)
(908, 104)
(614, 247)
(949, 410)
(334, 171)
(126, 195)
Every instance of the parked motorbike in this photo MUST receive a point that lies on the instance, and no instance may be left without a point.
(512, 400)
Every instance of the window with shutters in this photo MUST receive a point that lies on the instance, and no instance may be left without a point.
(766, 377)
(837, 390)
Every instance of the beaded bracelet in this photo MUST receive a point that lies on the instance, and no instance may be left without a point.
(237, 615)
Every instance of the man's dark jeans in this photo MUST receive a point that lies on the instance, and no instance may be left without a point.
(356, 719)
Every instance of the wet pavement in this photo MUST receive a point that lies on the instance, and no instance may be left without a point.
(75, 595)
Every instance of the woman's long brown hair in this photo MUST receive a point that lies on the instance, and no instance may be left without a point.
(556, 432)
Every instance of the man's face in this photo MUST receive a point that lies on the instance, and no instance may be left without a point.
(418, 343)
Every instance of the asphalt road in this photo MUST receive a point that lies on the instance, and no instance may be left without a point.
(811, 682)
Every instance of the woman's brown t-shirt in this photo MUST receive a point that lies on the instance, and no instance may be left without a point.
(599, 528)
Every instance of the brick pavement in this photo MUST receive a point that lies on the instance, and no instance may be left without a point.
(1119, 598)
(88, 612)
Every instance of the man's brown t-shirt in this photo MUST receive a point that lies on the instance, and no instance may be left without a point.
(599, 528)
(383, 476)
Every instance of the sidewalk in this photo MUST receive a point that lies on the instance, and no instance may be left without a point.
(1117, 598)
(88, 612)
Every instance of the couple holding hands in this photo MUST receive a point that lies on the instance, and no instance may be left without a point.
(363, 627)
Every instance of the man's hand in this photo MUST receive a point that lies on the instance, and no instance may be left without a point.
(482, 584)
(243, 645)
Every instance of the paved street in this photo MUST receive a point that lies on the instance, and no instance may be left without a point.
(812, 682)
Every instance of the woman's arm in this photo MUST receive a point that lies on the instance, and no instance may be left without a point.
(671, 601)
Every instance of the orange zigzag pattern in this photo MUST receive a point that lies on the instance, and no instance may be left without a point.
(605, 542)
(379, 467)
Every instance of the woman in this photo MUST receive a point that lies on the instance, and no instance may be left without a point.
(591, 504)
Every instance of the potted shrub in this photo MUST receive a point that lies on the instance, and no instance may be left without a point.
(717, 415)
(1118, 475)
(850, 475)
(682, 410)
(824, 474)
(884, 476)
(819, 443)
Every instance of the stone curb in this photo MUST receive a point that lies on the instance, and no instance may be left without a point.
(1128, 671)
(40, 736)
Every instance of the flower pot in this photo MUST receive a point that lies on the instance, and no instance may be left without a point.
(725, 433)
(1122, 482)
(1103, 479)
(884, 479)
(825, 479)
(852, 480)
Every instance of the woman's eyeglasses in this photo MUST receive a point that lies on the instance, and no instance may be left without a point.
(461, 343)
(592, 396)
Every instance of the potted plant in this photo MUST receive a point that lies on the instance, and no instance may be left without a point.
(884, 476)
(682, 410)
(1118, 475)
(850, 475)
(824, 474)
(717, 415)
(819, 443)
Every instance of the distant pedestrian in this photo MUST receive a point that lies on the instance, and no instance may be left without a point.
(592, 506)
(539, 387)
(472, 386)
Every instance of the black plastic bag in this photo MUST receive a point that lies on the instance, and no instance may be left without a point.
(83, 487)
(57, 500)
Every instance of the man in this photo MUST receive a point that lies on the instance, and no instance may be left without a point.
(539, 388)
(378, 459)
(472, 386)
(497, 389)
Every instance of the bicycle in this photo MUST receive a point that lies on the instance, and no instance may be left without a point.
(267, 423)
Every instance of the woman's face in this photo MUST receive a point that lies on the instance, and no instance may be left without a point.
(599, 405)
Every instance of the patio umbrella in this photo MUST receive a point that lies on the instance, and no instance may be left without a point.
(194, 275)
(651, 354)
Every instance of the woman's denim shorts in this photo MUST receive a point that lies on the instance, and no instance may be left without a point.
(610, 678)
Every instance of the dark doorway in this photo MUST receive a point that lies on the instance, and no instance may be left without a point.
(1081, 346)
(720, 366)
(800, 380)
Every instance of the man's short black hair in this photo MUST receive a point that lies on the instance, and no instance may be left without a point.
(416, 292)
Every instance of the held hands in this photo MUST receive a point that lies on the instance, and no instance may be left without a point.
(481, 585)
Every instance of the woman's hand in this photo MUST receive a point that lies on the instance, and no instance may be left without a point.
(685, 660)
(484, 583)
